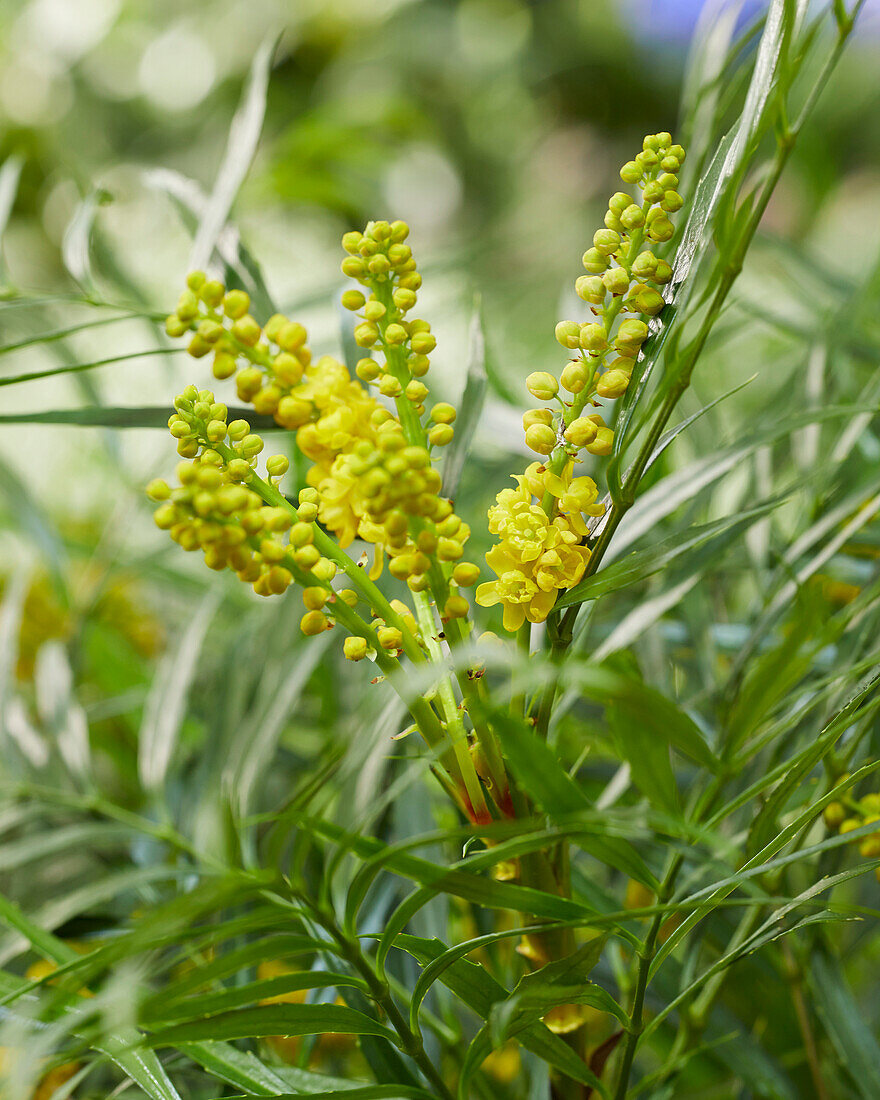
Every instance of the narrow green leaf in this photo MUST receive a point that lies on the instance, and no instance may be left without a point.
(470, 407)
(267, 1020)
(75, 368)
(540, 774)
(241, 147)
(145, 416)
(844, 1022)
(480, 991)
(165, 705)
(644, 563)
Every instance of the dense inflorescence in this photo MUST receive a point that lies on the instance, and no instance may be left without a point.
(372, 469)
(540, 525)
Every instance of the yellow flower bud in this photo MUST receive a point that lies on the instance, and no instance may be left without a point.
(292, 336)
(395, 334)
(164, 516)
(603, 442)
(448, 550)
(158, 490)
(581, 432)
(631, 334)
(542, 385)
(592, 337)
(466, 574)
(389, 637)
(537, 416)
(834, 815)
(314, 597)
(606, 241)
(456, 607)
(175, 326)
(541, 438)
(594, 261)
(616, 281)
(575, 376)
(568, 334)
(632, 218)
(590, 288)
(423, 343)
(440, 435)
(314, 622)
(612, 383)
(277, 465)
(443, 413)
(366, 334)
(354, 648)
(236, 303)
(351, 299)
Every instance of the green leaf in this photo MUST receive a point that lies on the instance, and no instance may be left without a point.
(165, 705)
(470, 407)
(480, 991)
(648, 756)
(844, 1022)
(76, 245)
(145, 416)
(10, 174)
(241, 147)
(360, 1092)
(75, 368)
(644, 563)
(268, 1020)
(645, 704)
(239, 1068)
(542, 777)
(204, 1004)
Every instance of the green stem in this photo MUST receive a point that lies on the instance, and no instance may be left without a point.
(454, 724)
(381, 994)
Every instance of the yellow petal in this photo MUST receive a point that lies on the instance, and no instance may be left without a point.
(514, 616)
(487, 594)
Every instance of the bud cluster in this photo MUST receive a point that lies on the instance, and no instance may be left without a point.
(623, 289)
(384, 265)
(540, 548)
(214, 509)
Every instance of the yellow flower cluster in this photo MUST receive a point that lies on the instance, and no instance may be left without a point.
(372, 471)
(853, 815)
(540, 549)
(214, 510)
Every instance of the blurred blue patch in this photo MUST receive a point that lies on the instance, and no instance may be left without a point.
(674, 21)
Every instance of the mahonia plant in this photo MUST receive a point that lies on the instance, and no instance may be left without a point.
(373, 475)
